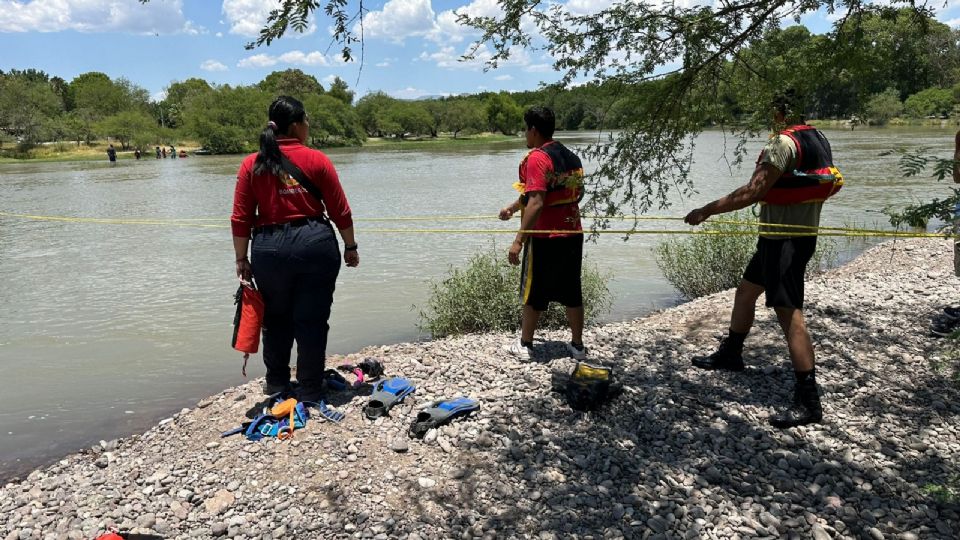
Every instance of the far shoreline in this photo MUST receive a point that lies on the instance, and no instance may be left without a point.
(96, 152)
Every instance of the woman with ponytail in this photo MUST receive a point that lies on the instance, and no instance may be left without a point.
(287, 199)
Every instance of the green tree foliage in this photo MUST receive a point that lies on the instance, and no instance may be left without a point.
(462, 115)
(932, 101)
(27, 101)
(128, 126)
(883, 107)
(291, 82)
(178, 95)
(333, 122)
(680, 67)
(436, 109)
(503, 114)
(95, 92)
(340, 90)
(372, 110)
(79, 124)
(228, 120)
(409, 117)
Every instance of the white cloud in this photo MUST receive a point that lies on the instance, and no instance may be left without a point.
(448, 57)
(414, 93)
(587, 7)
(503, 78)
(383, 64)
(156, 17)
(257, 61)
(219, 34)
(399, 20)
(213, 65)
(247, 17)
(298, 58)
(403, 19)
(328, 80)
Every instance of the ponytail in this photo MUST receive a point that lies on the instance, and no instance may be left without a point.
(284, 111)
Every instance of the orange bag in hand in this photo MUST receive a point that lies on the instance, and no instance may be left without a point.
(247, 322)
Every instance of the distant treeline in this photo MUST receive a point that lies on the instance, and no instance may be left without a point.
(903, 66)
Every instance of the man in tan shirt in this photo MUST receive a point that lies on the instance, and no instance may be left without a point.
(777, 268)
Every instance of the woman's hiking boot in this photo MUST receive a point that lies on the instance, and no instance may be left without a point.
(805, 409)
(728, 356)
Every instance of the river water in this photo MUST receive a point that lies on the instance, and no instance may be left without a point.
(107, 328)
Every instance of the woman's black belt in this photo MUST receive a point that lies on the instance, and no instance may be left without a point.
(293, 223)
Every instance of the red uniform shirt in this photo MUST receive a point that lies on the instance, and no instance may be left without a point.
(265, 199)
(565, 217)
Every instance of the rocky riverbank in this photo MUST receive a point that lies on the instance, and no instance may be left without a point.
(681, 454)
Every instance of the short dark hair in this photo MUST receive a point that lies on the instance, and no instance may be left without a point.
(541, 118)
(789, 104)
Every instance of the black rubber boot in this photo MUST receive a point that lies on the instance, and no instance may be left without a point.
(727, 357)
(805, 409)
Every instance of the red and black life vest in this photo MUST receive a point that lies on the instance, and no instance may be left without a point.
(565, 184)
(814, 178)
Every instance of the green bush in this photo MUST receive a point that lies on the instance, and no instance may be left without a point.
(483, 297)
(708, 263)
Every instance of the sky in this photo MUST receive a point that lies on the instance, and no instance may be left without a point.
(411, 47)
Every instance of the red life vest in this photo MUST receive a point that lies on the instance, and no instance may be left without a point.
(814, 178)
(565, 184)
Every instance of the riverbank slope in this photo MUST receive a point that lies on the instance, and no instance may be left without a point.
(682, 453)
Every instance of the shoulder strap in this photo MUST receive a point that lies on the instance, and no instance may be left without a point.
(300, 177)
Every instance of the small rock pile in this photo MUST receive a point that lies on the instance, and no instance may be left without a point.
(682, 453)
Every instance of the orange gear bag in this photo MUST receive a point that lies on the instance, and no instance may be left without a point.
(248, 319)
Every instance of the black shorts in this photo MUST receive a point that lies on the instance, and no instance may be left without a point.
(551, 272)
(779, 266)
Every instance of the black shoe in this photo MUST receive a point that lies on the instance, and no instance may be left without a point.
(943, 329)
(805, 410)
(271, 389)
(952, 313)
(727, 357)
(311, 393)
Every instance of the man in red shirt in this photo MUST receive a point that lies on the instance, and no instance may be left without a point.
(551, 185)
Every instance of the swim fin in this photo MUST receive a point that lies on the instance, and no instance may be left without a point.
(387, 394)
(441, 412)
(325, 411)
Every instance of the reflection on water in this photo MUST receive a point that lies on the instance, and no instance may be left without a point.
(110, 327)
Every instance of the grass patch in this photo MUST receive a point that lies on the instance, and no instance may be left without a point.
(483, 297)
(706, 264)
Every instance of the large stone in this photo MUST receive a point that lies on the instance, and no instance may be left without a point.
(219, 502)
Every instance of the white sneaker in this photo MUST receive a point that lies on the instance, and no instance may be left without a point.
(577, 354)
(519, 350)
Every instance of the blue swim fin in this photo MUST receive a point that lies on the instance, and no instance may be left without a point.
(387, 394)
(441, 412)
(325, 411)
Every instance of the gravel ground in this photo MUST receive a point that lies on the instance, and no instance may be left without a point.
(681, 454)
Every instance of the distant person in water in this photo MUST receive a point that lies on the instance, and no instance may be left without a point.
(136, 154)
(158, 152)
(950, 321)
(183, 153)
(173, 152)
(163, 152)
(112, 155)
